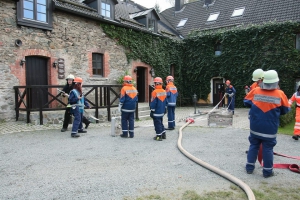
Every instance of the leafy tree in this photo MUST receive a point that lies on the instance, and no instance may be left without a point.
(157, 8)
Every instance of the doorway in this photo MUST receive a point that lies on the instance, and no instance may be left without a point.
(141, 83)
(218, 92)
(36, 74)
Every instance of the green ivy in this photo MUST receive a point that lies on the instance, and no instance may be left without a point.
(244, 49)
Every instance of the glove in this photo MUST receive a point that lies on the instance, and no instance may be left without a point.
(231, 95)
(151, 114)
(119, 108)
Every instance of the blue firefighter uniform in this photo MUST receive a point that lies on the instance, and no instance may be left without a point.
(77, 107)
(158, 106)
(128, 101)
(172, 94)
(266, 108)
(231, 97)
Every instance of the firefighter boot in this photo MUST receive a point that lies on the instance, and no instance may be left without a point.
(158, 138)
(86, 122)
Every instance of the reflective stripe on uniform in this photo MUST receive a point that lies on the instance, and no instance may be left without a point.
(158, 115)
(250, 164)
(268, 168)
(131, 91)
(267, 99)
(263, 134)
(171, 104)
(159, 94)
(125, 110)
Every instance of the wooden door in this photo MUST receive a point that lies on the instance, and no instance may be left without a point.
(36, 74)
(141, 83)
(218, 91)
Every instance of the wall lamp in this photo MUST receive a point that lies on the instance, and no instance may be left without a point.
(135, 70)
(22, 62)
(152, 72)
(55, 63)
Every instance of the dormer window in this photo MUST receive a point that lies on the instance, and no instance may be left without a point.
(151, 24)
(213, 17)
(182, 23)
(105, 10)
(35, 13)
(238, 12)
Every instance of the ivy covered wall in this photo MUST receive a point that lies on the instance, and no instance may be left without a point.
(244, 49)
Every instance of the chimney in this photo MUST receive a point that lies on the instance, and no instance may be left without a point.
(178, 5)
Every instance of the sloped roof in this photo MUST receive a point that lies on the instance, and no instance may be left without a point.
(256, 12)
(122, 15)
(126, 10)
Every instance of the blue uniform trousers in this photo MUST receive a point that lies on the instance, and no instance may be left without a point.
(171, 116)
(77, 123)
(267, 148)
(127, 121)
(158, 126)
(231, 102)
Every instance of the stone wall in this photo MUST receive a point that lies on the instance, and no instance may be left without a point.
(73, 38)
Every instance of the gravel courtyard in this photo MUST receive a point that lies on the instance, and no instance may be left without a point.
(48, 164)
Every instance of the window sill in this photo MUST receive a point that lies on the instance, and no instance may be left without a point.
(98, 78)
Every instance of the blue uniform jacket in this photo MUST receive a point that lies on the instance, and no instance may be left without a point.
(266, 108)
(158, 102)
(74, 100)
(128, 98)
(171, 94)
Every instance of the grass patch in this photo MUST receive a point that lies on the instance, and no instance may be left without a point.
(287, 129)
(265, 192)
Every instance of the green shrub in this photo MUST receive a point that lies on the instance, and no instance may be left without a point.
(289, 117)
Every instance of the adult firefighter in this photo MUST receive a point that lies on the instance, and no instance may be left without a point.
(257, 77)
(172, 94)
(266, 105)
(230, 91)
(296, 97)
(158, 107)
(127, 106)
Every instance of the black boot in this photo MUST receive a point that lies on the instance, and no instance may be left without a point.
(295, 137)
(164, 136)
(86, 122)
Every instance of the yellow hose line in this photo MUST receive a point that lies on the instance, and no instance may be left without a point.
(226, 175)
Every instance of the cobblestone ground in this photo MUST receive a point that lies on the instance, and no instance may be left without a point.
(240, 120)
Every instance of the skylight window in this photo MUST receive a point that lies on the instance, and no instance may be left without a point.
(213, 17)
(182, 22)
(238, 12)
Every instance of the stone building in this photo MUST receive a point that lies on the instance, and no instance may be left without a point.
(43, 41)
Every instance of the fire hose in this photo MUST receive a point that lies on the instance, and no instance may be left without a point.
(219, 103)
(216, 170)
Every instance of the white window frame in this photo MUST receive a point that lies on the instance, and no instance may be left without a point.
(213, 17)
(105, 10)
(238, 12)
(182, 23)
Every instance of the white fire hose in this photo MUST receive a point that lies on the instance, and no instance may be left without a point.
(218, 171)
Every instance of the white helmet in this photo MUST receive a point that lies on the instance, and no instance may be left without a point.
(258, 74)
(71, 76)
(271, 76)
